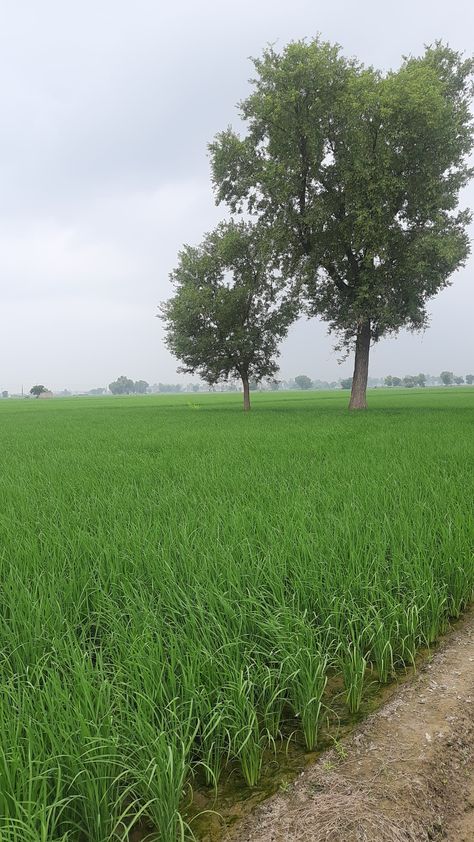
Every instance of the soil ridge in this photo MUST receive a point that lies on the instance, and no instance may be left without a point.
(405, 775)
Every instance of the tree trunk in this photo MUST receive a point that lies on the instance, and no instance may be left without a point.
(361, 368)
(245, 383)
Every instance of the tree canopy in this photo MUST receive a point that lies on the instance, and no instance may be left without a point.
(122, 386)
(355, 175)
(230, 308)
(140, 387)
(447, 378)
(38, 390)
(303, 381)
(125, 386)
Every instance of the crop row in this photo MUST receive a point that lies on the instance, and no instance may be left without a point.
(180, 597)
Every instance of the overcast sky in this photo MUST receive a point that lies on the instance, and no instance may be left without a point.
(107, 107)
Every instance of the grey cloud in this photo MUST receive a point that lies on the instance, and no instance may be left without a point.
(106, 112)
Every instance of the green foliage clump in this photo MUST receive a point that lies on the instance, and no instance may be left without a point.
(230, 308)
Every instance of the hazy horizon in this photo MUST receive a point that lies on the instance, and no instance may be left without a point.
(108, 110)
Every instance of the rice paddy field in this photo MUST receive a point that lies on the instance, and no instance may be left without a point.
(182, 584)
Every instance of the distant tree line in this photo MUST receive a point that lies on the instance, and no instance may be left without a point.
(172, 388)
(124, 386)
(409, 381)
(446, 378)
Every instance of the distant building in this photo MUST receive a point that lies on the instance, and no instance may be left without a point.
(46, 394)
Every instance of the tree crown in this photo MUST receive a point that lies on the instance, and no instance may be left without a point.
(230, 307)
(357, 175)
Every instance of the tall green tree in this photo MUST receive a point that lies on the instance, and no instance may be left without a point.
(447, 378)
(38, 390)
(122, 386)
(140, 387)
(230, 308)
(357, 175)
(303, 381)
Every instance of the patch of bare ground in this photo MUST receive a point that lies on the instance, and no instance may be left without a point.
(406, 775)
(461, 828)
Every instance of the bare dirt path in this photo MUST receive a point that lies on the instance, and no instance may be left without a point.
(462, 828)
(406, 775)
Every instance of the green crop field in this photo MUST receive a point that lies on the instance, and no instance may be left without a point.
(179, 581)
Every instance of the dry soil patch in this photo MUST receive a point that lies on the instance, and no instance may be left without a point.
(406, 775)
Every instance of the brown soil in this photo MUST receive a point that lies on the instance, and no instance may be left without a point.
(405, 775)
(462, 828)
